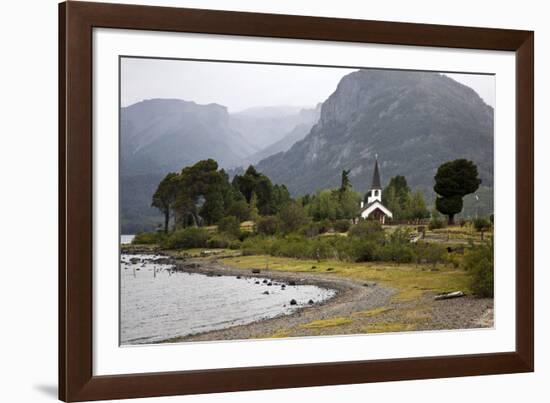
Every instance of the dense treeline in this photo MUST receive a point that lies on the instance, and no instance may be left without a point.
(402, 202)
(203, 195)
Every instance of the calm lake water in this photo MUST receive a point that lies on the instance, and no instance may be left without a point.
(157, 304)
(126, 239)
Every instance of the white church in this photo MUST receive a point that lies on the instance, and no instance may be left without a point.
(374, 209)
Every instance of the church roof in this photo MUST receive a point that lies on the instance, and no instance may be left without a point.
(373, 206)
(376, 177)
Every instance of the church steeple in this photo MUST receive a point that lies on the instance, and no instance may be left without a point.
(376, 176)
(375, 192)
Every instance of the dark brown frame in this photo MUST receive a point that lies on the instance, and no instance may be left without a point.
(76, 22)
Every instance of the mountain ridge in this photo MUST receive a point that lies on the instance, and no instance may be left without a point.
(414, 121)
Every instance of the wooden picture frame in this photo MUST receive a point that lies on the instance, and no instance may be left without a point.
(76, 22)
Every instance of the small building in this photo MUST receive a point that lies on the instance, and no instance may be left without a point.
(373, 208)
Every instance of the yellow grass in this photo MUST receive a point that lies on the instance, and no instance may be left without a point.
(322, 324)
(409, 280)
(372, 312)
(388, 327)
(278, 334)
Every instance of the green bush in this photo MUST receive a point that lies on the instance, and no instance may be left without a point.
(230, 226)
(148, 238)
(219, 241)
(257, 245)
(367, 229)
(396, 252)
(431, 253)
(311, 230)
(191, 237)
(436, 223)
(479, 261)
(267, 225)
(362, 250)
(342, 225)
(292, 216)
(324, 226)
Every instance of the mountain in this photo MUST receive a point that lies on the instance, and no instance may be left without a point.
(263, 126)
(161, 135)
(158, 136)
(307, 118)
(414, 121)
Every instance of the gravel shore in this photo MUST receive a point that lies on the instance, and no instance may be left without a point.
(360, 307)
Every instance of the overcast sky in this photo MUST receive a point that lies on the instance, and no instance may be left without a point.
(239, 86)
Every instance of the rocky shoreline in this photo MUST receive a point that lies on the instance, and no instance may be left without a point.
(350, 296)
(369, 304)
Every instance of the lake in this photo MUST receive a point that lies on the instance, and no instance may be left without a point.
(126, 239)
(158, 304)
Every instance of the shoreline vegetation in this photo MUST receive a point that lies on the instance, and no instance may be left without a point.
(387, 276)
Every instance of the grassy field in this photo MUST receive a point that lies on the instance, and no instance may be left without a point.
(411, 281)
(455, 234)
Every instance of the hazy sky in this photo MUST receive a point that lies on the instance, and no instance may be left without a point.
(240, 86)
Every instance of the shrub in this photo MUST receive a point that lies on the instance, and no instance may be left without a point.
(256, 245)
(342, 225)
(324, 226)
(429, 253)
(479, 261)
(244, 235)
(436, 223)
(230, 225)
(312, 229)
(292, 216)
(219, 241)
(362, 250)
(482, 225)
(367, 229)
(148, 238)
(191, 237)
(267, 225)
(396, 252)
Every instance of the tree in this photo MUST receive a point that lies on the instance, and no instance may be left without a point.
(454, 180)
(323, 206)
(230, 225)
(165, 196)
(280, 197)
(268, 225)
(417, 206)
(254, 214)
(239, 209)
(203, 194)
(396, 196)
(254, 182)
(292, 216)
(349, 204)
(345, 183)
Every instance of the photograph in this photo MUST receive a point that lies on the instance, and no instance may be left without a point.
(265, 200)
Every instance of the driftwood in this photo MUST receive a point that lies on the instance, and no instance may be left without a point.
(456, 294)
